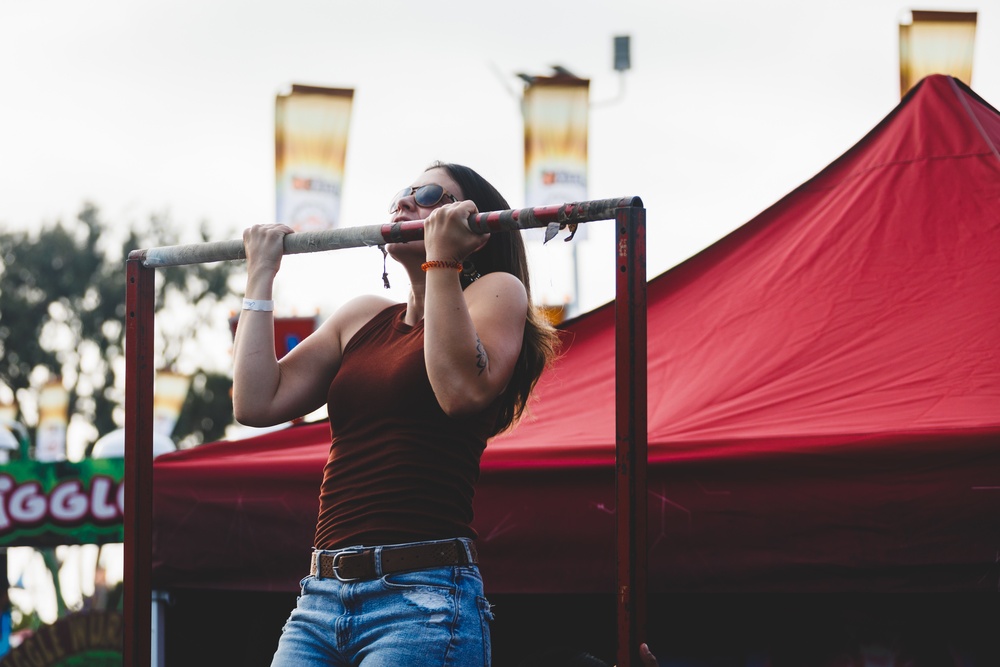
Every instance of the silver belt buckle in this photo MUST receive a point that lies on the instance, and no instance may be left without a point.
(336, 565)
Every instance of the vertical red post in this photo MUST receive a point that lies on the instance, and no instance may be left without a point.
(138, 512)
(630, 430)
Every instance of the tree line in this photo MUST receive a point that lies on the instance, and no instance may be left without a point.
(62, 315)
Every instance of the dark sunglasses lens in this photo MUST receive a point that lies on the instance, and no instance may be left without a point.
(428, 195)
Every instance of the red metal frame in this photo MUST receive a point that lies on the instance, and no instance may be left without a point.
(630, 432)
(138, 566)
(630, 438)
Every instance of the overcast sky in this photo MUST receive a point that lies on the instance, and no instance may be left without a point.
(155, 106)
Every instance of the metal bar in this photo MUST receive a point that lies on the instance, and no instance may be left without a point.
(138, 519)
(400, 232)
(630, 432)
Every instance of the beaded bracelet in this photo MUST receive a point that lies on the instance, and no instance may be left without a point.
(441, 264)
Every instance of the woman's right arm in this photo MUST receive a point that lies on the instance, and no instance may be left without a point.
(267, 391)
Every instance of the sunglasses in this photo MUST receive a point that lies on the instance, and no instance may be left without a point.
(425, 195)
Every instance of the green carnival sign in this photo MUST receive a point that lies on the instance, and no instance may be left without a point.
(62, 502)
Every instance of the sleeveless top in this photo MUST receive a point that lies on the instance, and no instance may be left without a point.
(399, 469)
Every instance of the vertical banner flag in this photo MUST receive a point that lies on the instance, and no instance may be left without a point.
(556, 116)
(9, 443)
(936, 43)
(169, 394)
(53, 418)
(310, 146)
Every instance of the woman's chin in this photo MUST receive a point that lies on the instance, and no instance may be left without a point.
(406, 251)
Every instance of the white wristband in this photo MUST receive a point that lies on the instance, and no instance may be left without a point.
(265, 305)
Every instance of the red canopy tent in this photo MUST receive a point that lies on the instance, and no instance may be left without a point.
(824, 405)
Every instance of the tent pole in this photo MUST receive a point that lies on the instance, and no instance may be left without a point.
(630, 432)
(138, 514)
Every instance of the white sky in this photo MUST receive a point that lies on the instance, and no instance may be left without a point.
(152, 106)
(156, 106)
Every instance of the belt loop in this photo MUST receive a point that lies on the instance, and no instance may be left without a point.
(377, 557)
(465, 542)
(314, 565)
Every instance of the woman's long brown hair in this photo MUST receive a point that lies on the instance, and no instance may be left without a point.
(505, 252)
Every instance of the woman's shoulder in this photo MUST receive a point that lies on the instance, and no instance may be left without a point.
(497, 297)
(498, 283)
(359, 311)
(365, 306)
(349, 318)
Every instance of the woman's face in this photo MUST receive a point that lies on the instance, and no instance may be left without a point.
(407, 208)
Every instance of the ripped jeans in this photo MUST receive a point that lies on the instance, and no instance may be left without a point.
(433, 617)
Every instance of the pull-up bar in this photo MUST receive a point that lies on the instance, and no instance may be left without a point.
(630, 392)
(552, 217)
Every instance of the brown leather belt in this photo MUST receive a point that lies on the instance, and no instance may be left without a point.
(359, 564)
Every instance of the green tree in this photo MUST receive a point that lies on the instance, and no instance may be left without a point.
(62, 314)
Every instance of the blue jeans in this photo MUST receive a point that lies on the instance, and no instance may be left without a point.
(433, 617)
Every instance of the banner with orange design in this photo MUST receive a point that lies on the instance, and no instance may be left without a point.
(53, 420)
(556, 118)
(935, 42)
(556, 113)
(310, 140)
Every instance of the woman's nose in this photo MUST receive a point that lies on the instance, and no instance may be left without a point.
(406, 203)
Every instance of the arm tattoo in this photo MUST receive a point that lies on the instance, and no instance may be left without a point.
(481, 359)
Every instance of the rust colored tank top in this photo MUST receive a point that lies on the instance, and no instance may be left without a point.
(400, 469)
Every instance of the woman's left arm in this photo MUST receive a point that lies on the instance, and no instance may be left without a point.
(472, 338)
